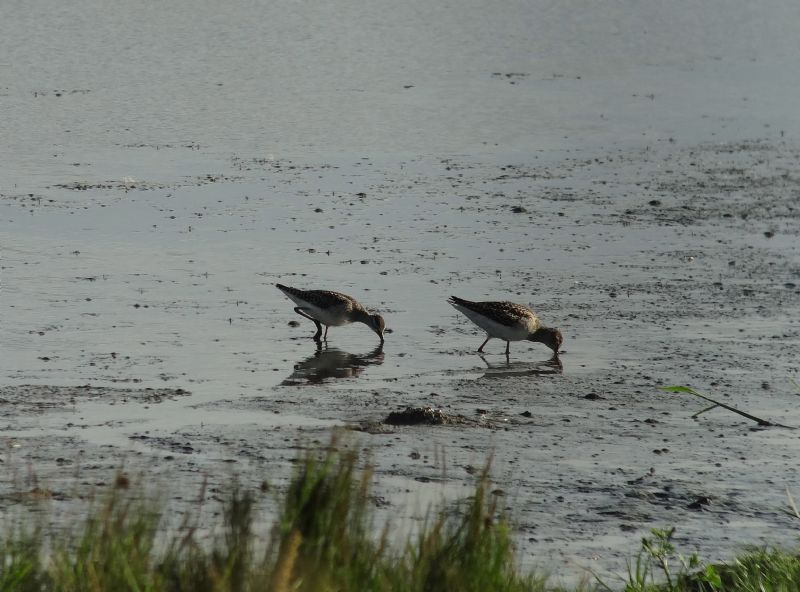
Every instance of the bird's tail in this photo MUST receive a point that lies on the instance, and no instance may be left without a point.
(286, 289)
(456, 300)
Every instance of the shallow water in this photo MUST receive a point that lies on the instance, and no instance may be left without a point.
(90, 90)
(165, 165)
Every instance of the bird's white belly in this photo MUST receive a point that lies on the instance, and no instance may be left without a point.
(495, 329)
(330, 317)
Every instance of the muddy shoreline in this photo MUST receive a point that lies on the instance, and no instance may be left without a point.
(144, 331)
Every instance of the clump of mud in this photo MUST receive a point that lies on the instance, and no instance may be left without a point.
(426, 416)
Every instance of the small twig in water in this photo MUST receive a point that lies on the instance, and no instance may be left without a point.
(791, 502)
(691, 391)
(796, 385)
(709, 408)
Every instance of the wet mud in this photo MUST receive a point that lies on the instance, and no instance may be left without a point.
(663, 265)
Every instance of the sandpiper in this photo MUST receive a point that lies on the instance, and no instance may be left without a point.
(508, 321)
(331, 309)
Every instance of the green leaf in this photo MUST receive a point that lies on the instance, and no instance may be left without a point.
(677, 389)
(711, 576)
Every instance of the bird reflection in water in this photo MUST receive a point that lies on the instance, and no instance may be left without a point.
(542, 368)
(332, 362)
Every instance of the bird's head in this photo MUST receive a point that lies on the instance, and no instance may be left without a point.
(552, 338)
(377, 324)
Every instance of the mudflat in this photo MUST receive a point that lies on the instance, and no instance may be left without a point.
(657, 229)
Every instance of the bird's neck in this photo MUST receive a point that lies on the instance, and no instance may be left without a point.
(539, 335)
(361, 316)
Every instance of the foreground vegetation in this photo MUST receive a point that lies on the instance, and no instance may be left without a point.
(325, 539)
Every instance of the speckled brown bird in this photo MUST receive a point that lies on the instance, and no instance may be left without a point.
(508, 321)
(332, 309)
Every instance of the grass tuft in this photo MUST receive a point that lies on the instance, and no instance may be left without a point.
(325, 539)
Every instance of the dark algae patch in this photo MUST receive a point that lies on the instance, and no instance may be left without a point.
(35, 398)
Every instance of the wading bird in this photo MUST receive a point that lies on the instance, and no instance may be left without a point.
(507, 321)
(332, 309)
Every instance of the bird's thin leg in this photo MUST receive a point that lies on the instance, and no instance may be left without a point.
(326, 333)
(303, 313)
(480, 349)
(508, 343)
